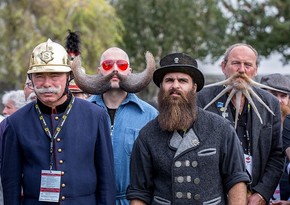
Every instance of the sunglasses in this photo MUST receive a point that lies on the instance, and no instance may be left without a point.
(109, 64)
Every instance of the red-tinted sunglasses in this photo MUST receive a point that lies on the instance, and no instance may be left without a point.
(108, 64)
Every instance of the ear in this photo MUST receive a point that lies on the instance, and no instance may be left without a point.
(223, 65)
(194, 87)
(256, 71)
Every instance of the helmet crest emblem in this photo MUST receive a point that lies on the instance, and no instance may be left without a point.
(46, 56)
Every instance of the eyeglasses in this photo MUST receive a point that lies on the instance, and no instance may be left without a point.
(29, 85)
(109, 64)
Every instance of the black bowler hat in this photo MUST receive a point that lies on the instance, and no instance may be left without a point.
(179, 62)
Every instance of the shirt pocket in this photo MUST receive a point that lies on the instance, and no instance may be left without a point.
(130, 135)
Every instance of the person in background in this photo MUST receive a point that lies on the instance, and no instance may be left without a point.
(126, 113)
(12, 101)
(282, 83)
(58, 147)
(28, 91)
(186, 155)
(262, 142)
(76, 91)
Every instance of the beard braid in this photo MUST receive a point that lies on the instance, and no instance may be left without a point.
(176, 113)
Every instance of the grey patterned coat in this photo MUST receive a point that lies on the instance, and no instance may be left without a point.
(198, 168)
(266, 138)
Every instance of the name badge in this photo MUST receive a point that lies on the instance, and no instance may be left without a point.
(249, 163)
(50, 186)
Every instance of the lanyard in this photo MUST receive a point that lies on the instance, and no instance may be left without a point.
(244, 133)
(248, 138)
(58, 128)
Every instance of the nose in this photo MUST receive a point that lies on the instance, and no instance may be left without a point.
(242, 68)
(280, 100)
(175, 84)
(5, 111)
(115, 67)
(47, 81)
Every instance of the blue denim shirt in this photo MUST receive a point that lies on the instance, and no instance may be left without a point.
(130, 117)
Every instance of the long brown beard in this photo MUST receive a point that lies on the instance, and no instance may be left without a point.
(176, 113)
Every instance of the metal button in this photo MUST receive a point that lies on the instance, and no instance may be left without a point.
(62, 185)
(196, 181)
(58, 139)
(178, 164)
(179, 195)
(188, 195)
(60, 161)
(62, 197)
(56, 118)
(180, 179)
(62, 173)
(187, 163)
(188, 178)
(194, 163)
(59, 150)
(196, 196)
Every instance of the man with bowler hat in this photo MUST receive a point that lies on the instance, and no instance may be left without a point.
(186, 155)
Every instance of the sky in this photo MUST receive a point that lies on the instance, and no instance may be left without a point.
(267, 66)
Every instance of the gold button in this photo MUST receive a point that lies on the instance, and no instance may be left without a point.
(60, 161)
(62, 185)
(62, 197)
(59, 150)
(62, 173)
(58, 139)
(56, 118)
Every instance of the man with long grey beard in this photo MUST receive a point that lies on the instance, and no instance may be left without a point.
(186, 155)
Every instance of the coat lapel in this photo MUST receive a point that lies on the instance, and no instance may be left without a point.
(188, 141)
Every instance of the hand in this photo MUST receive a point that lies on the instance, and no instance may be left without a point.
(256, 199)
(281, 202)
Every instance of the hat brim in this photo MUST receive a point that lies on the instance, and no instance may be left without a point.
(196, 75)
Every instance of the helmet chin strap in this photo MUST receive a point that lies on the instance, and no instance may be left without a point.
(66, 90)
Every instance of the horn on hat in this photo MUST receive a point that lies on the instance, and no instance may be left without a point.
(92, 84)
(88, 83)
(134, 83)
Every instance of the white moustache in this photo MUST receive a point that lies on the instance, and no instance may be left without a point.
(47, 90)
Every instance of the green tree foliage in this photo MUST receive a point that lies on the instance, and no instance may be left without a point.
(263, 24)
(26, 23)
(195, 27)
